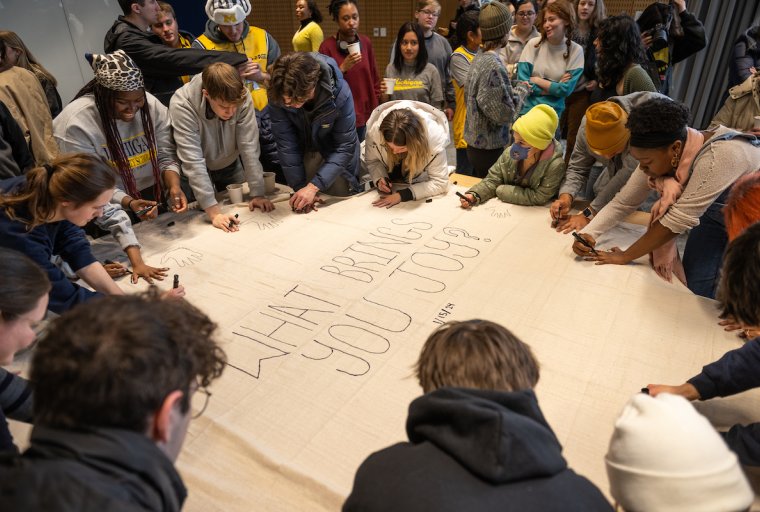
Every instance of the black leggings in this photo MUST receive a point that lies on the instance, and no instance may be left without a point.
(482, 160)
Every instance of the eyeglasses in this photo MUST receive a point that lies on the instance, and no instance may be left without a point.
(432, 14)
(207, 397)
(526, 14)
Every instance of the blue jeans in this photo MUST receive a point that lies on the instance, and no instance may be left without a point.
(703, 254)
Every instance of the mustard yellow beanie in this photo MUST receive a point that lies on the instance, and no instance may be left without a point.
(606, 133)
(538, 126)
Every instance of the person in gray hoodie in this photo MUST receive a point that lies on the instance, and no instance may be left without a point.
(602, 138)
(406, 144)
(215, 129)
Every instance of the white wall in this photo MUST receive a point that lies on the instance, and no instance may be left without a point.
(59, 33)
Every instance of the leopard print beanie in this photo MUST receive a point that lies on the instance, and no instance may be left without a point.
(116, 71)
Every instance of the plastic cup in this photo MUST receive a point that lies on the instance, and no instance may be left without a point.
(390, 85)
(354, 48)
(269, 183)
(236, 193)
(756, 126)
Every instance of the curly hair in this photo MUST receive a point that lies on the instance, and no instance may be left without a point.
(336, 5)
(620, 46)
(658, 116)
(738, 293)
(476, 354)
(113, 361)
(566, 12)
(293, 75)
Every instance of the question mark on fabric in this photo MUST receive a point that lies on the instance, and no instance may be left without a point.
(453, 232)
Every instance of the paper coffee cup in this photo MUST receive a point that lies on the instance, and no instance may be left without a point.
(390, 84)
(354, 48)
(269, 182)
(756, 126)
(236, 193)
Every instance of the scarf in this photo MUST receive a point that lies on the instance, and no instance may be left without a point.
(665, 260)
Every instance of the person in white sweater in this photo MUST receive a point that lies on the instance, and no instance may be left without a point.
(692, 171)
(405, 151)
(215, 130)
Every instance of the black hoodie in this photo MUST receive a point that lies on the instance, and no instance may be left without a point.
(161, 65)
(473, 450)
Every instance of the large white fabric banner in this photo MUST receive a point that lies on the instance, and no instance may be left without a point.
(323, 316)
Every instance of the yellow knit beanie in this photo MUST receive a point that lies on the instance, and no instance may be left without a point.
(606, 133)
(538, 126)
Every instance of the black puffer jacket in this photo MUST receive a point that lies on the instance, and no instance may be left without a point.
(161, 65)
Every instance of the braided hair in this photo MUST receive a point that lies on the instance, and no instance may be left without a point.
(105, 100)
(566, 13)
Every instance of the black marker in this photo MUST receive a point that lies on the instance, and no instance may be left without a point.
(142, 212)
(645, 391)
(464, 197)
(176, 281)
(232, 222)
(112, 262)
(584, 242)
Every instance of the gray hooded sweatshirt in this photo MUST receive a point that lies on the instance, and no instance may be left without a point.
(206, 144)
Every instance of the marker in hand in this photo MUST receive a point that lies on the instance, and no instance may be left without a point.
(232, 222)
(176, 281)
(112, 262)
(584, 242)
(145, 210)
(464, 197)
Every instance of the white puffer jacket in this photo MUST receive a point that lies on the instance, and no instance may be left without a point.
(433, 179)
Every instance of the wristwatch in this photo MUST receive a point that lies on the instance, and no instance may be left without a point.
(588, 213)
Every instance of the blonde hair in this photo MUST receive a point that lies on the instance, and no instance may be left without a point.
(403, 127)
(476, 354)
(25, 59)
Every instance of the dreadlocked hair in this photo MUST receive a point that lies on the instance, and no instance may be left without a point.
(566, 12)
(105, 99)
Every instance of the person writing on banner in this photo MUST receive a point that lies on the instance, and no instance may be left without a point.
(406, 145)
(529, 173)
(737, 370)
(217, 140)
(682, 165)
(602, 138)
(313, 119)
(103, 119)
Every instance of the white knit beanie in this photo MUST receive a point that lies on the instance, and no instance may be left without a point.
(228, 12)
(666, 457)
